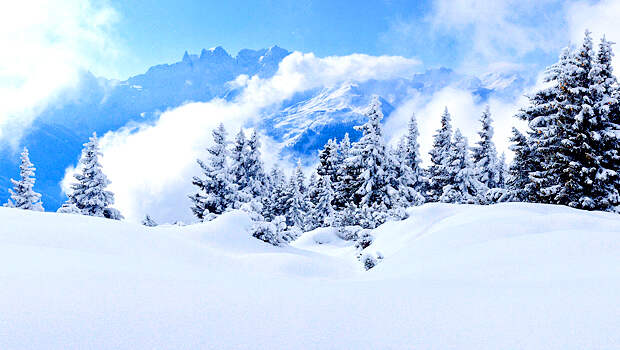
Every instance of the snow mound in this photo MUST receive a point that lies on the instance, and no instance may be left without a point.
(509, 276)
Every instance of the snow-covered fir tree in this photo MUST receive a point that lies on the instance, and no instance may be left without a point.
(322, 213)
(484, 154)
(254, 168)
(440, 156)
(23, 195)
(89, 194)
(366, 166)
(402, 177)
(463, 185)
(342, 183)
(275, 201)
(148, 221)
(296, 207)
(502, 171)
(216, 192)
(300, 178)
(605, 94)
(238, 174)
(518, 181)
(410, 153)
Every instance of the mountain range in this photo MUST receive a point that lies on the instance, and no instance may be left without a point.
(302, 124)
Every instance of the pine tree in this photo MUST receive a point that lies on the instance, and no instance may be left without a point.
(254, 168)
(238, 174)
(402, 178)
(275, 201)
(518, 181)
(410, 153)
(342, 181)
(216, 192)
(328, 160)
(148, 221)
(605, 133)
(440, 156)
(484, 153)
(367, 164)
(502, 171)
(322, 213)
(89, 194)
(573, 162)
(300, 178)
(463, 185)
(542, 137)
(22, 195)
(295, 205)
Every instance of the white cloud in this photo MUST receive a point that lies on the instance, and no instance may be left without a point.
(601, 18)
(151, 166)
(44, 44)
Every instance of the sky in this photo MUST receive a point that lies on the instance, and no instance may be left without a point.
(453, 33)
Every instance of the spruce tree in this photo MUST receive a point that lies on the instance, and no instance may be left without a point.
(148, 221)
(605, 133)
(322, 213)
(295, 205)
(463, 185)
(89, 194)
(23, 195)
(440, 156)
(410, 153)
(402, 178)
(369, 154)
(238, 174)
(518, 181)
(254, 168)
(216, 192)
(484, 153)
(342, 182)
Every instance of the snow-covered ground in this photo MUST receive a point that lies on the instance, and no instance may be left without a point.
(510, 276)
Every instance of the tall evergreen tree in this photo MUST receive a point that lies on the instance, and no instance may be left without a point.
(518, 181)
(295, 204)
(89, 194)
(254, 168)
(463, 185)
(410, 153)
(605, 133)
(342, 183)
(368, 161)
(502, 171)
(238, 168)
(402, 177)
(23, 195)
(322, 213)
(216, 192)
(440, 156)
(484, 153)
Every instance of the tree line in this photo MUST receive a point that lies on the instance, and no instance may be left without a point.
(569, 154)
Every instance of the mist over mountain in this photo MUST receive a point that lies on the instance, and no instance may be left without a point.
(301, 124)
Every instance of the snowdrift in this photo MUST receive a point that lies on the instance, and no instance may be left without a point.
(509, 276)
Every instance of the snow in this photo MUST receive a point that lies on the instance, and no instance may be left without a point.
(508, 276)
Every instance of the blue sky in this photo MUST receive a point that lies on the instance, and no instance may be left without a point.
(460, 34)
(160, 31)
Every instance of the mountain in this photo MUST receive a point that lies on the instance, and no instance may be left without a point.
(302, 124)
(506, 276)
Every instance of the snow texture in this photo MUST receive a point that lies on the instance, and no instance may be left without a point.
(506, 276)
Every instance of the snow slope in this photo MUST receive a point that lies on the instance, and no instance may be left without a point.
(510, 276)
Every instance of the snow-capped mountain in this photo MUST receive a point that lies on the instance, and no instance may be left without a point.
(302, 123)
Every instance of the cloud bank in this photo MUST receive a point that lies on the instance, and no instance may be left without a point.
(45, 44)
(151, 166)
